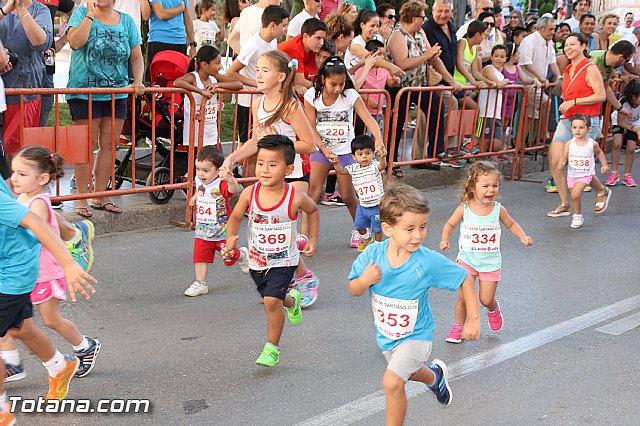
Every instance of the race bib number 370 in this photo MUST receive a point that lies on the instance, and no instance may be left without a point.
(394, 318)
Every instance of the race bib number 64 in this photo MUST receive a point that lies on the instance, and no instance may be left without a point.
(394, 318)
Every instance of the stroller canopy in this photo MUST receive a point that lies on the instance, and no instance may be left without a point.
(169, 65)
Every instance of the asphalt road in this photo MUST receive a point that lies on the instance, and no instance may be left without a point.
(193, 358)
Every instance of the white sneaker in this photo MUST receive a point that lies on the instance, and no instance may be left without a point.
(355, 239)
(243, 260)
(577, 221)
(196, 289)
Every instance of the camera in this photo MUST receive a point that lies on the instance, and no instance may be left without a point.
(13, 58)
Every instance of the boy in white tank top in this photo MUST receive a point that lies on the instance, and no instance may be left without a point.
(273, 207)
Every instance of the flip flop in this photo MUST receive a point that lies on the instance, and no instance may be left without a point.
(107, 207)
(602, 202)
(84, 212)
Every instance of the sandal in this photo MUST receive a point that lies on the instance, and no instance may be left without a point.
(561, 210)
(602, 202)
(84, 212)
(397, 172)
(108, 207)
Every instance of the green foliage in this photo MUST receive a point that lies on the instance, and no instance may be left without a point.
(544, 6)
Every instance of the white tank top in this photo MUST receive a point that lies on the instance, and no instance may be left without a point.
(210, 115)
(581, 159)
(282, 128)
(272, 232)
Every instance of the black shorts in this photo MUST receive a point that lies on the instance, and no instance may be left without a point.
(274, 282)
(626, 134)
(243, 123)
(305, 178)
(14, 308)
(79, 109)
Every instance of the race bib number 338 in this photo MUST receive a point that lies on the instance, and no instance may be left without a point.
(394, 318)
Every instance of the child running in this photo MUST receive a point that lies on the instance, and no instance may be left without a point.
(479, 217)
(625, 130)
(34, 167)
(214, 190)
(330, 105)
(398, 274)
(20, 231)
(202, 79)
(279, 112)
(273, 206)
(580, 154)
(367, 181)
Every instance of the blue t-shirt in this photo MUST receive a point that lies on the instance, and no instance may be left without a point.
(19, 249)
(104, 59)
(409, 282)
(30, 70)
(171, 31)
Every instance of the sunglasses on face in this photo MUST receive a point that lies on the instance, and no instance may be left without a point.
(487, 9)
(390, 16)
(491, 24)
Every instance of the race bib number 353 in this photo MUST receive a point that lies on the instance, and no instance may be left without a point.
(394, 318)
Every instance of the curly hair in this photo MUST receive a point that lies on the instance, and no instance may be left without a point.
(410, 10)
(338, 25)
(479, 168)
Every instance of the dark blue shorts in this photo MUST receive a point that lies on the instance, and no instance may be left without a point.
(274, 282)
(14, 309)
(79, 109)
(368, 217)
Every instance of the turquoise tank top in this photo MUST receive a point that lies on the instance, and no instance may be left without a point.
(479, 241)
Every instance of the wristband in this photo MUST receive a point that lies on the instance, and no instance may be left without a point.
(619, 108)
(87, 16)
(3, 12)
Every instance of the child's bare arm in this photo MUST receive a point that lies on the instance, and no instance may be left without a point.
(382, 163)
(77, 279)
(192, 201)
(604, 165)
(335, 162)
(235, 219)
(304, 203)
(227, 176)
(514, 227)
(449, 226)
(371, 275)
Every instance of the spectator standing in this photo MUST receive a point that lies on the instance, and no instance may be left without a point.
(170, 28)
(493, 37)
(303, 48)
(349, 10)
(231, 14)
(626, 30)
(103, 41)
(27, 30)
(205, 29)
(340, 31)
(516, 20)
(364, 4)
(248, 24)
(580, 8)
(311, 10)
(64, 6)
(328, 7)
(388, 19)
(588, 27)
(130, 7)
(633, 67)
(481, 6)
(608, 35)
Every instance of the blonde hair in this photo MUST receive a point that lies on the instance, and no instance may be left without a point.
(479, 168)
(401, 198)
(345, 7)
(609, 16)
(282, 63)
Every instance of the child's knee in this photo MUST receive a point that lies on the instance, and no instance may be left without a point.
(392, 383)
(51, 321)
(272, 303)
(487, 300)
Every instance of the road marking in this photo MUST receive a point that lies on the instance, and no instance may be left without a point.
(621, 326)
(368, 405)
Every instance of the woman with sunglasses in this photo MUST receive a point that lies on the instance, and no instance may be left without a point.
(493, 37)
(349, 11)
(516, 20)
(388, 17)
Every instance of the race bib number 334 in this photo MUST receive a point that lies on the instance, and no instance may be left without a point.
(394, 318)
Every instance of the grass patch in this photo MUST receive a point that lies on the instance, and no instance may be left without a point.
(65, 116)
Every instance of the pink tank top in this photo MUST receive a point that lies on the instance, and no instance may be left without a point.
(50, 269)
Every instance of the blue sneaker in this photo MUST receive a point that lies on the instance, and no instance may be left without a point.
(82, 249)
(72, 182)
(441, 388)
(13, 373)
(551, 186)
(308, 287)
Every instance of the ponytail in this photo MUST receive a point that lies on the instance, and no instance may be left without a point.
(205, 54)
(45, 161)
(288, 101)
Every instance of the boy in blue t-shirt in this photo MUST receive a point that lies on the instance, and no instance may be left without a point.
(398, 274)
(20, 231)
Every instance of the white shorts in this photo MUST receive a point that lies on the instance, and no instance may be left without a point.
(407, 358)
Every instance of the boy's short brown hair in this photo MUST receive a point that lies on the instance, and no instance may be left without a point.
(401, 198)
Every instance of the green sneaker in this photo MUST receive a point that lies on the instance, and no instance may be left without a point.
(270, 355)
(82, 249)
(294, 313)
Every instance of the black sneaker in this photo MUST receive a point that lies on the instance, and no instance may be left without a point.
(57, 205)
(441, 388)
(88, 357)
(13, 373)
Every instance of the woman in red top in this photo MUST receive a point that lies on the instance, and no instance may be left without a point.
(583, 93)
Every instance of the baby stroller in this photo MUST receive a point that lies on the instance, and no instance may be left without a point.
(165, 68)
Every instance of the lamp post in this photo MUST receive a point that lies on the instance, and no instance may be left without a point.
(533, 8)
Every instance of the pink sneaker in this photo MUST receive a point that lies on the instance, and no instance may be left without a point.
(301, 241)
(628, 180)
(355, 239)
(495, 318)
(455, 335)
(612, 179)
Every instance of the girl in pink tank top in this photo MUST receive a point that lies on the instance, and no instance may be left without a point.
(33, 168)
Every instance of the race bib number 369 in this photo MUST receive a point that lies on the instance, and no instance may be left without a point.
(394, 318)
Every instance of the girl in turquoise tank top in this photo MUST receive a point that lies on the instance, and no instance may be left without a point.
(480, 217)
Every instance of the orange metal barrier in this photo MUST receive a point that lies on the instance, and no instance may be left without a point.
(466, 127)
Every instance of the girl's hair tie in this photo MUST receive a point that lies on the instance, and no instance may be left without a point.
(292, 63)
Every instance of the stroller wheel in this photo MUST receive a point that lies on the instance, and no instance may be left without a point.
(119, 179)
(161, 176)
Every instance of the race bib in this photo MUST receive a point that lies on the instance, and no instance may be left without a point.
(368, 188)
(208, 37)
(333, 133)
(580, 163)
(206, 210)
(477, 237)
(272, 237)
(211, 111)
(394, 318)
